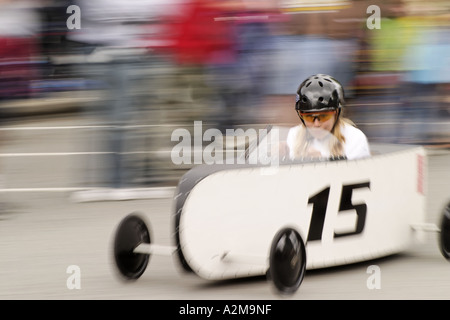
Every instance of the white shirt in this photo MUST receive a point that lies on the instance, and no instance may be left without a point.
(356, 144)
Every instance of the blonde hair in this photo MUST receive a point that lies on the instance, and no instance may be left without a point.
(336, 147)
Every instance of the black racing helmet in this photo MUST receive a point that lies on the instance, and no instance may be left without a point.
(319, 92)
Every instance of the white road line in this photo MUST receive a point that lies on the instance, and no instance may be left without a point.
(58, 154)
(3, 190)
(102, 194)
(190, 125)
(49, 154)
(65, 189)
(94, 127)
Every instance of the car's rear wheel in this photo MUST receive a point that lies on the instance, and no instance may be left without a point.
(131, 232)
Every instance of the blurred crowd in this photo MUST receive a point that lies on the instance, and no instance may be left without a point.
(159, 64)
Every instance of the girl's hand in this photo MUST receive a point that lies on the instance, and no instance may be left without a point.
(313, 153)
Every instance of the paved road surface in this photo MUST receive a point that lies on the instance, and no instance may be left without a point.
(41, 237)
(43, 233)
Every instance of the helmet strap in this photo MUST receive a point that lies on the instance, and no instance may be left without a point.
(301, 119)
(338, 113)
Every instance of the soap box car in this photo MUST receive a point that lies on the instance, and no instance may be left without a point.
(252, 219)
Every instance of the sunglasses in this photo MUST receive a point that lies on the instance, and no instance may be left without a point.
(321, 116)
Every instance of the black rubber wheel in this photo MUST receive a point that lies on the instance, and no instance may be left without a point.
(287, 261)
(444, 237)
(131, 232)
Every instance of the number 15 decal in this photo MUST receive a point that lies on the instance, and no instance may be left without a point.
(320, 203)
